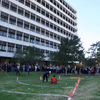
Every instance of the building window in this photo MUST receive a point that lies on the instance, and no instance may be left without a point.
(27, 3)
(58, 5)
(51, 25)
(58, 13)
(47, 52)
(18, 47)
(10, 47)
(43, 21)
(19, 35)
(66, 25)
(51, 8)
(51, 44)
(47, 33)
(47, 14)
(33, 6)
(24, 48)
(55, 27)
(54, 2)
(42, 50)
(4, 17)
(51, 52)
(58, 38)
(61, 7)
(51, 35)
(38, 9)
(38, 30)
(55, 46)
(43, 2)
(61, 22)
(21, 1)
(55, 36)
(26, 25)
(55, 11)
(63, 16)
(32, 28)
(39, 1)
(58, 29)
(47, 5)
(26, 37)
(13, 7)
(55, 19)
(61, 31)
(42, 42)
(2, 46)
(42, 31)
(3, 31)
(12, 20)
(51, 17)
(37, 40)
(47, 23)
(19, 23)
(58, 21)
(20, 11)
(5, 4)
(32, 39)
(27, 14)
(43, 12)
(37, 19)
(66, 12)
(64, 9)
(47, 43)
(11, 34)
(64, 32)
(33, 17)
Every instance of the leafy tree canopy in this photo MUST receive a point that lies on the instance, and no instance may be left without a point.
(31, 54)
(69, 50)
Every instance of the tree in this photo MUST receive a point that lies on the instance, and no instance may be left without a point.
(90, 62)
(94, 51)
(31, 54)
(69, 50)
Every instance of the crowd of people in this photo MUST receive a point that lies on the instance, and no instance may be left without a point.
(13, 67)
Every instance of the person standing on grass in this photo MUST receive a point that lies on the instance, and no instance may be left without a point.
(92, 71)
(23, 68)
(18, 70)
(35, 68)
(53, 80)
(46, 75)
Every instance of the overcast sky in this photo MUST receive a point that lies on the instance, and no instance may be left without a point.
(88, 18)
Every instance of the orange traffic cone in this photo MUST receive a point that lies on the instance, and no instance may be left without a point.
(78, 81)
(75, 85)
(17, 78)
(40, 78)
(71, 94)
(59, 77)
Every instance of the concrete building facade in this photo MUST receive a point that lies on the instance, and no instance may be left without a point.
(39, 23)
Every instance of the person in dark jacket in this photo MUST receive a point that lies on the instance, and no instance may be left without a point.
(46, 75)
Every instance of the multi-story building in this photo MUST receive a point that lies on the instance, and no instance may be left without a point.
(39, 23)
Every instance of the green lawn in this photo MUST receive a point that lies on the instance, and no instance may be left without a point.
(30, 87)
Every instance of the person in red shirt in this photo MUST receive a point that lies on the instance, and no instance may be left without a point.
(53, 80)
(92, 71)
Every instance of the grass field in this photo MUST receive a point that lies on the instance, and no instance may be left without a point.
(30, 87)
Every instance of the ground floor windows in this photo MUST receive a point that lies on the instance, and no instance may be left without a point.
(2, 46)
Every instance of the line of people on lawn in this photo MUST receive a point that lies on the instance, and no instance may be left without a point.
(13, 67)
